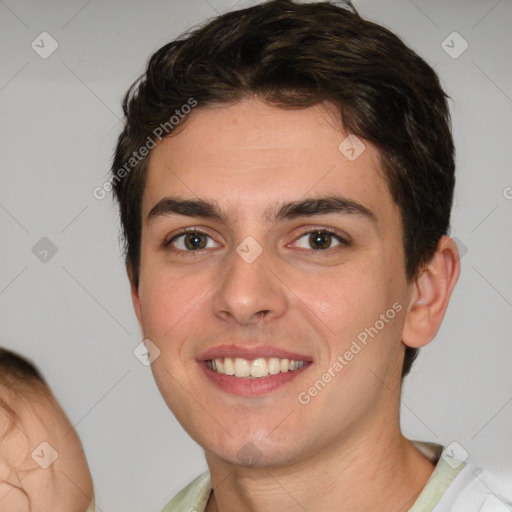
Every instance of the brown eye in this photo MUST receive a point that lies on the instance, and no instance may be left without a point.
(195, 241)
(320, 240)
(192, 241)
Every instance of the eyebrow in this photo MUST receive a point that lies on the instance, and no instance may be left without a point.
(169, 206)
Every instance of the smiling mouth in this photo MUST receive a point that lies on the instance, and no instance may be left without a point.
(252, 369)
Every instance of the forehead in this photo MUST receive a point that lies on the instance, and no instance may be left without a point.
(251, 156)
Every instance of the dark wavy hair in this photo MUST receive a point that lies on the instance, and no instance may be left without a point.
(296, 55)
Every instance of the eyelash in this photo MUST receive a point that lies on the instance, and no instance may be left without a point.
(324, 231)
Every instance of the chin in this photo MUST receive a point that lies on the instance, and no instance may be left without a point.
(252, 453)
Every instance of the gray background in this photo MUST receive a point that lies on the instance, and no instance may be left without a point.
(72, 314)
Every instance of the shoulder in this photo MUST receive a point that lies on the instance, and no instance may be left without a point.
(460, 486)
(477, 489)
(192, 497)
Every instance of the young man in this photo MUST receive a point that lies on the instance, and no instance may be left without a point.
(42, 463)
(285, 180)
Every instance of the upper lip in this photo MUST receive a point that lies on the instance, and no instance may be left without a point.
(253, 352)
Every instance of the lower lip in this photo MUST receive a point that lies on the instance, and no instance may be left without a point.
(251, 387)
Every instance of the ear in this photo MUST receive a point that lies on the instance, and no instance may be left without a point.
(431, 294)
(135, 294)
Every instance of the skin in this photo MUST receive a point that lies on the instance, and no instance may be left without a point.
(64, 486)
(346, 442)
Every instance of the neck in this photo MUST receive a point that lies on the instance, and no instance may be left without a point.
(377, 468)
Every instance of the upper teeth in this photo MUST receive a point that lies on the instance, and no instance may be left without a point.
(260, 367)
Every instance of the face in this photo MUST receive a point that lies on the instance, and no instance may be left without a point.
(35, 476)
(295, 252)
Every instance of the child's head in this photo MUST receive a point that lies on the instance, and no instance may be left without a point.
(42, 462)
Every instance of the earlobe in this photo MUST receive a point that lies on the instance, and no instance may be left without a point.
(431, 295)
(134, 294)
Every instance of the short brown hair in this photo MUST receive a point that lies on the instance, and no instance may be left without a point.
(18, 377)
(295, 55)
(18, 372)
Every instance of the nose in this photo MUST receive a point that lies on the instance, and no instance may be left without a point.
(249, 292)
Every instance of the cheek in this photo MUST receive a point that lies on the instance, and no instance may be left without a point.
(175, 309)
(346, 306)
(167, 300)
(344, 298)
